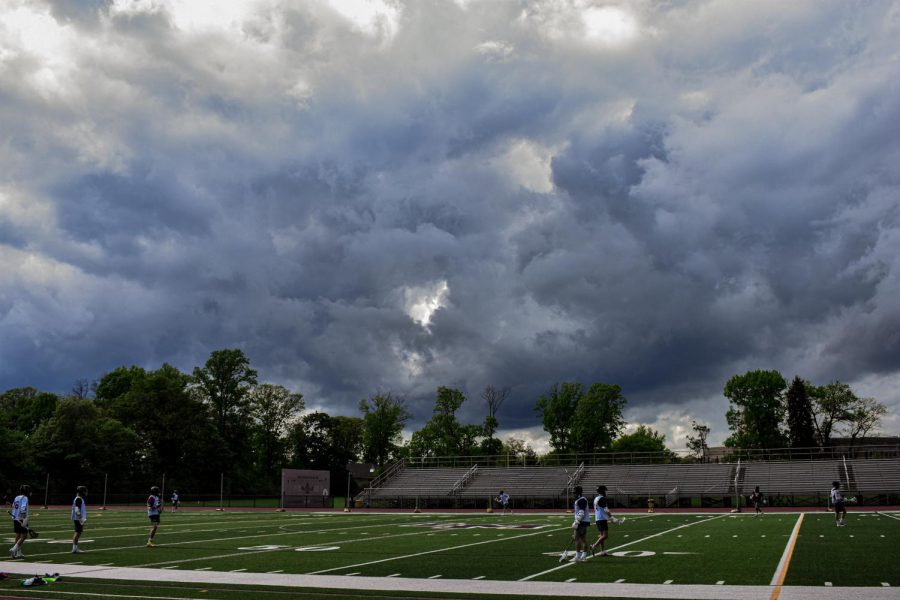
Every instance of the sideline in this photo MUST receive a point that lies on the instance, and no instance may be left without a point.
(457, 586)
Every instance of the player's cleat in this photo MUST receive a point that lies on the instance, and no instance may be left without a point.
(592, 550)
(12, 552)
(19, 554)
(603, 553)
(150, 544)
(76, 551)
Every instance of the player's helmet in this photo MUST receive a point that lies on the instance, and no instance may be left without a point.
(836, 484)
(25, 489)
(601, 489)
(578, 490)
(81, 491)
(154, 490)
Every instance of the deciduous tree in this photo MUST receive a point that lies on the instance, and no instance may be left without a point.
(757, 410)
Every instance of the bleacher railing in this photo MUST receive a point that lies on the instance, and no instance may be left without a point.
(731, 455)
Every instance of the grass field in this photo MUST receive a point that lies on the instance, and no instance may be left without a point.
(669, 549)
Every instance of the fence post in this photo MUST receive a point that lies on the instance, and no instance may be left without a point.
(105, 478)
(47, 490)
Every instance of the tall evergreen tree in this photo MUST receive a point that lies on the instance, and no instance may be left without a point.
(801, 432)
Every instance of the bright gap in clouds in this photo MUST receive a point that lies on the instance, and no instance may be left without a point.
(422, 302)
(609, 25)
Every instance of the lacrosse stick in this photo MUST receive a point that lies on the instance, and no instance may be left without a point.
(565, 553)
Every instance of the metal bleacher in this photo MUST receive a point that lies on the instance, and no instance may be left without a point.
(631, 484)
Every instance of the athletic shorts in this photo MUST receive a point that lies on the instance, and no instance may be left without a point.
(154, 519)
(581, 530)
(602, 525)
(18, 527)
(839, 507)
(79, 526)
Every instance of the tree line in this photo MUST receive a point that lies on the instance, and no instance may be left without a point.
(135, 424)
(766, 413)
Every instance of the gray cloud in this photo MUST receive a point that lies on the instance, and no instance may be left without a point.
(659, 197)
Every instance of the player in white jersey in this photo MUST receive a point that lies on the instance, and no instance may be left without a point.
(602, 517)
(20, 520)
(837, 502)
(503, 499)
(79, 516)
(176, 500)
(154, 508)
(581, 524)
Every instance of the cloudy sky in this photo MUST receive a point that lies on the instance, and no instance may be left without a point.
(392, 195)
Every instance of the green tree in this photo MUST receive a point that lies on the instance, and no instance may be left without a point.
(756, 411)
(443, 434)
(224, 383)
(557, 410)
(26, 408)
(697, 443)
(863, 417)
(831, 405)
(801, 433)
(79, 444)
(494, 399)
(273, 407)
(519, 448)
(321, 441)
(174, 427)
(383, 419)
(643, 439)
(598, 418)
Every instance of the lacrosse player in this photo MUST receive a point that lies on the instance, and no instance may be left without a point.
(503, 500)
(837, 502)
(79, 516)
(175, 500)
(602, 517)
(757, 499)
(154, 508)
(20, 520)
(581, 524)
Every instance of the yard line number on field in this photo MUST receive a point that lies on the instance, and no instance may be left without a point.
(569, 564)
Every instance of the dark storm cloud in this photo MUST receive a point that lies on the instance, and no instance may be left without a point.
(460, 194)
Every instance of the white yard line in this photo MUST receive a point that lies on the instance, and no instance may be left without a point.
(888, 515)
(243, 537)
(263, 551)
(569, 564)
(445, 549)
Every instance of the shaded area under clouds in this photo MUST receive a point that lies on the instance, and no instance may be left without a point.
(659, 200)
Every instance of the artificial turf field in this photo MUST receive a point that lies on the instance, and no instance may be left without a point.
(214, 555)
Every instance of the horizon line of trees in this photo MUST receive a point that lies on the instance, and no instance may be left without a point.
(137, 423)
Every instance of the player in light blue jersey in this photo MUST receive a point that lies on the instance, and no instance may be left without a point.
(20, 520)
(580, 524)
(602, 516)
(79, 516)
(154, 508)
(503, 500)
